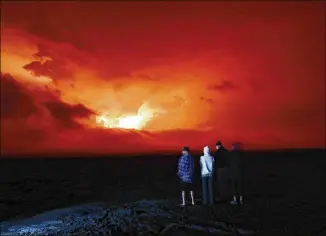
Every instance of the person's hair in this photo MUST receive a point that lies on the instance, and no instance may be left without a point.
(218, 143)
(186, 149)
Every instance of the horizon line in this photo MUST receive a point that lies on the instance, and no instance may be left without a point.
(161, 152)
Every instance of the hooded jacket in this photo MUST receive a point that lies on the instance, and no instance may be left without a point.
(206, 163)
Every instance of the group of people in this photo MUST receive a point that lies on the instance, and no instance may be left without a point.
(218, 173)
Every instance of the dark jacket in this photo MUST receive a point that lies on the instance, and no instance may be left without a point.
(221, 157)
(235, 164)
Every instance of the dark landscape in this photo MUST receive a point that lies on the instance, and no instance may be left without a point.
(284, 190)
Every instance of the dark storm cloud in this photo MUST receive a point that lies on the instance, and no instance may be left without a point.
(65, 113)
(18, 102)
(15, 101)
(224, 86)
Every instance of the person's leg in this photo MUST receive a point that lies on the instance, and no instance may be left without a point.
(218, 184)
(240, 193)
(204, 189)
(192, 196)
(234, 190)
(210, 190)
(226, 182)
(216, 194)
(183, 196)
(221, 182)
(183, 193)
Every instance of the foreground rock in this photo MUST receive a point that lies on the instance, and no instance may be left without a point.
(139, 218)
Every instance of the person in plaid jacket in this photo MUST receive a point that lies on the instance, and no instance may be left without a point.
(186, 174)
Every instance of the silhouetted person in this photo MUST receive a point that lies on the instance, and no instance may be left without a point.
(236, 173)
(186, 175)
(221, 157)
(207, 168)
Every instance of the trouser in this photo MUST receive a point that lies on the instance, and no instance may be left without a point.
(207, 187)
(236, 184)
(186, 186)
(221, 182)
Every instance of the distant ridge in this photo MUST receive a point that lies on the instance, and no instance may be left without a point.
(147, 153)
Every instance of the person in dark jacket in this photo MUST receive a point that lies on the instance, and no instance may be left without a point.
(186, 174)
(236, 173)
(221, 157)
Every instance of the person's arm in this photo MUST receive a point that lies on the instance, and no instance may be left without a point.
(178, 166)
(191, 165)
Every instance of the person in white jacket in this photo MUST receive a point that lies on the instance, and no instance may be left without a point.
(206, 166)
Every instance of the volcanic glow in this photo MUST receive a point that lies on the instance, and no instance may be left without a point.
(136, 122)
(140, 84)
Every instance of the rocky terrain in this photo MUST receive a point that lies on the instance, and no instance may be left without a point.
(139, 218)
(284, 195)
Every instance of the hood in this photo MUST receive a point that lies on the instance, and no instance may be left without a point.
(206, 151)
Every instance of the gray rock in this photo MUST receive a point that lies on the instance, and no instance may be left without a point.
(139, 218)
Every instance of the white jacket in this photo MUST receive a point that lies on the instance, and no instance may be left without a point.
(206, 163)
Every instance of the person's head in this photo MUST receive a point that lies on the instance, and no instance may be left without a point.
(206, 150)
(185, 150)
(236, 146)
(219, 145)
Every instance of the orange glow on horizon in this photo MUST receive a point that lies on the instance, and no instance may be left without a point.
(141, 82)
(133, 121)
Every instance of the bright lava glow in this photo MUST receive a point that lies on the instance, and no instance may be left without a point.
(130, 122)
(137, 122)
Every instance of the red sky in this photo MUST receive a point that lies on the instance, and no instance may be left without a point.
(238, 71)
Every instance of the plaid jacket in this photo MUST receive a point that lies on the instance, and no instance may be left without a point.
(186, 168)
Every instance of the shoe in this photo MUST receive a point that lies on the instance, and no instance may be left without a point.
(233, 202)
(241, 200)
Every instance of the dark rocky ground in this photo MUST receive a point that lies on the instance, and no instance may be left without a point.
(284, 195)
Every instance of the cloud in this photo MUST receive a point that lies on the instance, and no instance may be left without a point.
(19, 102)
(15, 100)
(53, 127)
(96, 67)
(52, 69)
(208, 100)
(224, 86)
(65, 114)
(18, 110)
